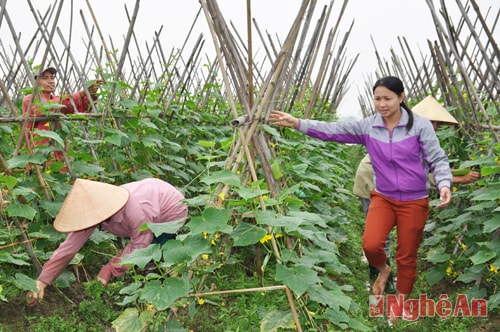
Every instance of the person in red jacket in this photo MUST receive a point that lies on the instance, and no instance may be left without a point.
(77, 102)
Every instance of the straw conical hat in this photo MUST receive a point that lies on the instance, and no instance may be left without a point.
(88, 204)
(431, 109)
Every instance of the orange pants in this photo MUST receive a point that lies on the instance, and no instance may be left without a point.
(409, 218)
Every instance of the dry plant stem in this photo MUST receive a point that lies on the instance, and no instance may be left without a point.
(260, 289)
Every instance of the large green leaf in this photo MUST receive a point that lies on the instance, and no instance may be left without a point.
(482, 256)
(290, 224)
(130, 320)
(248, 193)
(141, 257)
(7, 257)
(212, 220)
(171, 227)
(333, 298)
(275, 320)
(22, 160)
(162, 296)
(437, 255)
(20, 210)
(225, 177)
(24, 282)
(185, 251)
(246, 234)
(492, 224)
(436, 274)
(50, 134)
(8, 181)
(298, 278)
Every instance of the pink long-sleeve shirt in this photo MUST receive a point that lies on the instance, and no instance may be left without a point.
(150, 201)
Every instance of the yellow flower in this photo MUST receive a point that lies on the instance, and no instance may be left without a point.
(493, 268)
(217, 236)
(223, 304)
(201, 301)
(205, 235)
(266, 238)
(204, 257)
(449, 271)
(463, 246)
(48, 171)
(264, 197)
(278, 235)
(465, 96)
(213, 242)
(150, 307)
(221, 196)
(454, 189)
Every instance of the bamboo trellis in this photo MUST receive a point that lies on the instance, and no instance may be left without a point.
(462, 67)
(311, 58)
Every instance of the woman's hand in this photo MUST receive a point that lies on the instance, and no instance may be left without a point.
(445, 197)
(282, 119)
(34, 297)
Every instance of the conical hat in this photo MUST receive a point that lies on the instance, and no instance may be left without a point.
(431, 109)
(89, 203)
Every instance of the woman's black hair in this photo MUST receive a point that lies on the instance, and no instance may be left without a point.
(395, 85)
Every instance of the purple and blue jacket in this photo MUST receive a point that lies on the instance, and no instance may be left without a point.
(401, 161)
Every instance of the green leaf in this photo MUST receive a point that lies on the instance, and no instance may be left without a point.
(22, 160)
(141, 257)
(333, 298)
(24, 282)
(270, 218)
(129, 320)
(483, 256)
(170, 227)
(115, 139)
(246, 234)
(225, 177)
(65, 280)
(248, 193)
(435, 275)
(299, 278)
(488, 195)
(88, 169)
(437, 255)
(186, 251)
(212, 220)
(492, 224)
(6, 257)
(20, 210)
(162, 296)
(489, 170)
(276, 319)
(52, 135)
(8, 180)
(275, 168)
(206, 144)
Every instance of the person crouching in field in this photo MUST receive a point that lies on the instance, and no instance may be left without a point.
(120, 210)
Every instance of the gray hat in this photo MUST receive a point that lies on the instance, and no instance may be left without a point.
(51, 70)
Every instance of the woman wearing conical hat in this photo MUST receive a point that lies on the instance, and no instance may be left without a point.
(120, 210)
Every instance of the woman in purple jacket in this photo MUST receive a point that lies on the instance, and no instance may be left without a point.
(404, 149)
(120, 210)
